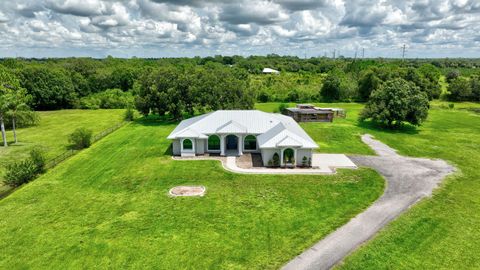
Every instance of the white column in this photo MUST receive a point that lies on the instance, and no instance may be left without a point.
(240, 145)
(222, 145)
(281, 157)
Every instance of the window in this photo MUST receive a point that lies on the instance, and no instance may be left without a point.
(250, 143)
(187, 144)
(213, 142)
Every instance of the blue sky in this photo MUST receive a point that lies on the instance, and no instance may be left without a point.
(168, 28)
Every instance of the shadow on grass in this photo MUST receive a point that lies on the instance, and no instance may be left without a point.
(404, 128)
(154, 120)
(169, 150)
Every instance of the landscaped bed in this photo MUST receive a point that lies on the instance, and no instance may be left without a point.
(107, 208)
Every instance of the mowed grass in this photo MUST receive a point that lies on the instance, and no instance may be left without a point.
(108, 207)
(51, 134)
(442, 231)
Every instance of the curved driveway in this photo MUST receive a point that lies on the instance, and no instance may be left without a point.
(408, 181)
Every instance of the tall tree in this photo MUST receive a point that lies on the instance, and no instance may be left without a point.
(8, 82)
(395, 102)
(17, 106)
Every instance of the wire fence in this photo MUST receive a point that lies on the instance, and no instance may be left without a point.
(69, 153)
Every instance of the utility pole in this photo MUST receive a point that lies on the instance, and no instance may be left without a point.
(355, 57)
(333, 54)
(363, 53)
(403, 52)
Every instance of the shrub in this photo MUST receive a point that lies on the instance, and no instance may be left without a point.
(276, 160)
(109, 99)
(263, 97)
(38, 158)
(20, 172)
(309, 162)
(282, 107)
(81, 138)
(451, 105)
(129, 114)
(460, 90)
(270, 163)
(304, 161)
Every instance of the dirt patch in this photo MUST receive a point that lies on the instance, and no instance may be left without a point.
(185, 191)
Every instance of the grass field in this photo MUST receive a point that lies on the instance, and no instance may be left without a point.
(107, 207)
(441, 232)
(52, 133)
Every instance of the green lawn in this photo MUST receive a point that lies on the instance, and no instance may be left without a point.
(108, 207)
(52, 133)
(441, 232)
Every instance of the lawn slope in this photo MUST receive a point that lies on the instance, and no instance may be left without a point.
(108, 207)
(51, 134)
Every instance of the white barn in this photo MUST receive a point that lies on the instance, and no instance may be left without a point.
(234, 132)
(270, 71)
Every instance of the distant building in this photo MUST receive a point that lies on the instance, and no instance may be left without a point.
(270, 71)
(310, 113)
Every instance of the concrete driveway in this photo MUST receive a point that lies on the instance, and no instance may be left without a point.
(408, 181)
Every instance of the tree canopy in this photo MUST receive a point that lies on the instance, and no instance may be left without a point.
(395, 102)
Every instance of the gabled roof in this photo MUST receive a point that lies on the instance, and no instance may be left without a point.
(231, 127)
(272, 130)
(190, 133)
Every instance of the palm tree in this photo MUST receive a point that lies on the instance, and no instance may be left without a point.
(17, 107)
(8, 84)
(3, 109)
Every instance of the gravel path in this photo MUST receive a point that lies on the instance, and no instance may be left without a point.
(408, 181)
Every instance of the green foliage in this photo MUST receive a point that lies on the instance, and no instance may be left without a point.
(452, 75)
(50, 88)
(24, 171)
(81, 138)
(20, 172)
(337, 86)
(282, 107)
(175, 91)
(368, 83)
(304, 161)
(459, 90)
(129, 114)
(276, 160)
(263, 97)
(37, 156)
(395, 102)
(109, 99)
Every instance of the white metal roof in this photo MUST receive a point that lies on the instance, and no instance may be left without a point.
(272, 130)
(270, 70)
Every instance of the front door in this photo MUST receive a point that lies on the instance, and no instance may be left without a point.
(232, 142)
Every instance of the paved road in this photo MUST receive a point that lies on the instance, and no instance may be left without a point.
(408, 181)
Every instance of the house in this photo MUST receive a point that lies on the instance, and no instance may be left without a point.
(234, 132)
(310, 113)
(270, 71)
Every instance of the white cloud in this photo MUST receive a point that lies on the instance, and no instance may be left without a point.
(189, 27)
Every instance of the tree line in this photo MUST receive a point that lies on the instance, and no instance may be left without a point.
(174, 86)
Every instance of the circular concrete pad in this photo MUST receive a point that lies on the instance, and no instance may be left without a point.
(187, 191)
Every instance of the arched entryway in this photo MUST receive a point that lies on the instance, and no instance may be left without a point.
(250, 143)
(231, 142)
(213, 143)
(288, 156)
